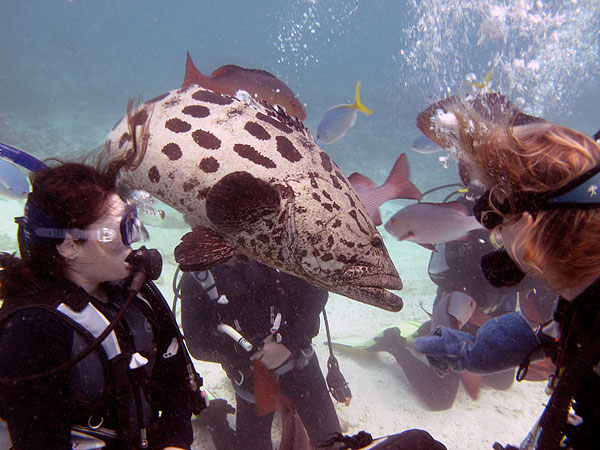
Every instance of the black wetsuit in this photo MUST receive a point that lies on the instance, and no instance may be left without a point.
(255, 294)
(580, 338)
(35, 337)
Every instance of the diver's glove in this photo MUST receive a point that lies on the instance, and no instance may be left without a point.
(500, 344)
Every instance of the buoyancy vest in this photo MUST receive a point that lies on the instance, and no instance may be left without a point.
(110, 387)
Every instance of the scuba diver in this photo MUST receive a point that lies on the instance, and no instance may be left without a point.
(242, 311)
(91, 353)
(463, 297)
(541, 203)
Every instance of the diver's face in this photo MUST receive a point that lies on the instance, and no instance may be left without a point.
(105, 261)
(513, 242)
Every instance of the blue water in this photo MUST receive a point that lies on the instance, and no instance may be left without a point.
(68, 68)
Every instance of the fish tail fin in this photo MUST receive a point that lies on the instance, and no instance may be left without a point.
(485, 84)
(357, 103)
(192, 75)
(398, 181)
(266, 390)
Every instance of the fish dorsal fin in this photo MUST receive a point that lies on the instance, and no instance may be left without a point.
(201, 249)
(357, 103)
(193, 75)
(239, 200)
(399, 178)
(232, 69)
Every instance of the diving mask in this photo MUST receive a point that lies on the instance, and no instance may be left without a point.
(129, 230)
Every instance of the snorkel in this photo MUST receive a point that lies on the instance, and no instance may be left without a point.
(21, 158)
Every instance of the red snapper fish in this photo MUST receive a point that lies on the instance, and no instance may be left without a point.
(269, 398)
(397, 185)
(432, 223)
(230, 79)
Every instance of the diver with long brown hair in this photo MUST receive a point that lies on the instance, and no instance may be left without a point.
(91, 356)
(541, 203)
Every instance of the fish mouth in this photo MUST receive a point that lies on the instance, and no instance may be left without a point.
(372, 289)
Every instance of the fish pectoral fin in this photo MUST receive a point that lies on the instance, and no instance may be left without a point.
(201, 249)
(240, 200)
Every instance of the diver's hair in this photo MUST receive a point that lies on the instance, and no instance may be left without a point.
(562, 244)
(72, 194)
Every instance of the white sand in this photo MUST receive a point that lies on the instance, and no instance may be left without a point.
(383, 401)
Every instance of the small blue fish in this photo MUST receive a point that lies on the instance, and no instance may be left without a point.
(13, 183)
(338, 120)
(422, 144)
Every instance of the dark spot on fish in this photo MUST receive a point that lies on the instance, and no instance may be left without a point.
(313, 181)
(316, 197)
(197, 111)
(352, 203)
(248, 152)
(158, 98)
(303, 253)
(182, 201)
(211, 97)
(287, 149)
(171, 175)
(276, 123)
(354, 215)
(154, 174)
(336, 223)
(330, 241)
(336, 206)
(172, 151)
(263, 238)
(177, 125)
(327, 206)
(327, 257)
(335, 181)
(189, 185)
(239, 200)
(172, 102)
(126, 137)
(257, 131)
(206, 139)
(348, 244)
(209, 165)
(326, 162)
(326, 195)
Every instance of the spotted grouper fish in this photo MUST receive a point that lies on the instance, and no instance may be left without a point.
(251, 179)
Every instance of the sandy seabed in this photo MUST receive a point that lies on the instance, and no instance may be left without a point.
(383, 401)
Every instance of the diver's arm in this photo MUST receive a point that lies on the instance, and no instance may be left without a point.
(500, 344)
(38, 412)
(304, 303)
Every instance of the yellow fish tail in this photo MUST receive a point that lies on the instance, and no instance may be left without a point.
(357, 104)
(485, 84)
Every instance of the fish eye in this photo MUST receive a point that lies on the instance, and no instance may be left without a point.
(376, 241)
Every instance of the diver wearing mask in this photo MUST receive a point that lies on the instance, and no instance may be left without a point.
(86, 361)
(550, 233)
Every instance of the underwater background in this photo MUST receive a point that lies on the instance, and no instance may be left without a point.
(68, 69)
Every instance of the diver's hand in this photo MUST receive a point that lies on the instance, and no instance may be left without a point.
(272, 354)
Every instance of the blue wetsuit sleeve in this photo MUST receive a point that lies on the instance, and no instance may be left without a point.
(501, 343)
(37, 412)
